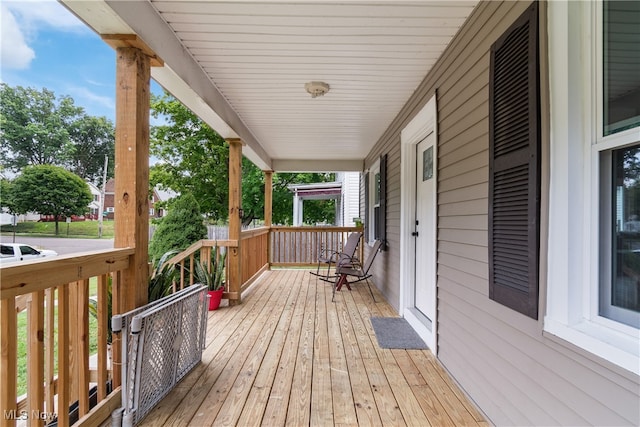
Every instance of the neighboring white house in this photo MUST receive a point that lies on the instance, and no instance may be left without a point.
(345, 190)
(94, 206)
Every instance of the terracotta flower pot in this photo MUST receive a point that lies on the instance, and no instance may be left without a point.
(214, 299)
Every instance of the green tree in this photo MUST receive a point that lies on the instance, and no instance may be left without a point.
(50, 190)
(34, 127)
(183, 226)
(6, 195)
(193, 158)
(38, 129)
(92, 138)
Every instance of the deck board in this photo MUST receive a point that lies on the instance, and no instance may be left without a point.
(290, 356)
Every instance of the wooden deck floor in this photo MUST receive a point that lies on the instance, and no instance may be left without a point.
(290, 356)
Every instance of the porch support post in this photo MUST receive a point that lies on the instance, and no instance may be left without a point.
(268, 198)
(297, 209)
(235, 220)
(268, 209)
(133, 73)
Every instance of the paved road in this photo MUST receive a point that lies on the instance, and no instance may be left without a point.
(61, 245)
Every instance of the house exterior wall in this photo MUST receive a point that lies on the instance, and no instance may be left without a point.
(515, 372)
(350, 197)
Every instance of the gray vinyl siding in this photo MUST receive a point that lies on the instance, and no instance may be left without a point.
(515, 373)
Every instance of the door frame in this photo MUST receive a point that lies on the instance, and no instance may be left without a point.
(423, 124)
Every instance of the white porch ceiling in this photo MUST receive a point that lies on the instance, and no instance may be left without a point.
(242, 66)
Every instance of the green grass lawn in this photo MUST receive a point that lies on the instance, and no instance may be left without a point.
(88, 229)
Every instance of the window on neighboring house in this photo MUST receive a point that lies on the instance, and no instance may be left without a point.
(151, 211)
(593, 292)
(110, 209)
(375, 199)
(514, 166)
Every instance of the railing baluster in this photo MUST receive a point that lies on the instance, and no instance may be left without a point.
(191, 267)
(8, 358)
(64, 391)
(116, 343)
(82, 333)
(35, 370)
(181, 275)
(48, 360)
(103, 318)
(74, 342)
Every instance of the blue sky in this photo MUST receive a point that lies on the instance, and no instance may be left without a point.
(45, 46)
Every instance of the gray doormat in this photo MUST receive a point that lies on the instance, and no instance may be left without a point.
(395, 332)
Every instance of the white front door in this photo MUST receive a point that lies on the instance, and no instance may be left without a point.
(425, 233)
(418, 223)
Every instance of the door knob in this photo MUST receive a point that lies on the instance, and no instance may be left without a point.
(414, 234)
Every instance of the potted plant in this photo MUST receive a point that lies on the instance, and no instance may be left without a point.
(213, 278)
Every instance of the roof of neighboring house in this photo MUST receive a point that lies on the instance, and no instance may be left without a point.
(165, 194)
(319, 190)
(110, 186)
(93, 188)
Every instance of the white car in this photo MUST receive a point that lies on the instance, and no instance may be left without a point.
(12, 252)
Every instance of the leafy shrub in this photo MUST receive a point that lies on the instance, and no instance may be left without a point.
(182, 227)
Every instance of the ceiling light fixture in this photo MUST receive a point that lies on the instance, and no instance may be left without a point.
(316, 88)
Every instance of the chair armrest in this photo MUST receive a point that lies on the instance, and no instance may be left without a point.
(346, 260)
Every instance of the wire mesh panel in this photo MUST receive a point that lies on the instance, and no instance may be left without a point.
(165, 340)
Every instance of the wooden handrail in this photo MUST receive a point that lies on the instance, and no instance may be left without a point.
(199, 245)
(26, 277)
(332, 228)
(246, 234)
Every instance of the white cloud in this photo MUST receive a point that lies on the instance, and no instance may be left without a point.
(84, 96)
(21, 21)
(34, 14)
(94, 83)
(16, 54)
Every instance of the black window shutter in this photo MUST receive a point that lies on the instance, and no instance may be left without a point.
(514, 166)
(367, 221)
(382, 223)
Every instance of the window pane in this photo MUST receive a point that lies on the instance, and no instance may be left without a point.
(621, 53)
(625, 280)
(377, 190)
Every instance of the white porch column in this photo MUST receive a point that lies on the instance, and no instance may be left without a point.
(297, 209)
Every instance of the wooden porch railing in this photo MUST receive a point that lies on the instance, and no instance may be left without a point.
(264, 247)
(254, 254)
(253, 249)
(54, 294)
(301, 246)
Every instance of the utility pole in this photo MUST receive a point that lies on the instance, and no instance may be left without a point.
(104, 184)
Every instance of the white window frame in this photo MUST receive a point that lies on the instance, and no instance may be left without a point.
(111, 209)
(576, 141)
(371, 232)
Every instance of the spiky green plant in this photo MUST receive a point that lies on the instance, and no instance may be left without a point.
(163, 277)
(214, 278)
